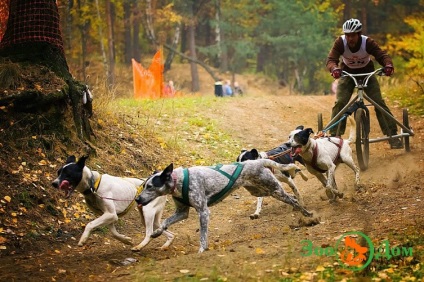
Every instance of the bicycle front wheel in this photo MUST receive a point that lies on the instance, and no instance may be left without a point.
(362, 140)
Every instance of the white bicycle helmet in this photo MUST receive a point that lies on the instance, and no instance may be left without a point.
(351, 26)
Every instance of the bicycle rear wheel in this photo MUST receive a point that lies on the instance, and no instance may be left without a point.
(320, 124)
(406, 124)
(362, 141)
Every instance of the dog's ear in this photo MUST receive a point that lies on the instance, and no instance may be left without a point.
(255, 154)
(166, 174)
(71, 159)
(81, 162)
(309, 130)
(300, 127)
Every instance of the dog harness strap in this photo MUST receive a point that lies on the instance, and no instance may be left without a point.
(339, 145)
(93, 185)
(340, 148)
(185, 186)
(315, 154)
(230, 184)
(273, 157)
(218, 169)
(314, 160)
(139, 190)
(184, 193)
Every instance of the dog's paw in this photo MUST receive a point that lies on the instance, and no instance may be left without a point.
(254, 216)
(156, 233)
(136, 248)
(360, 188)
(330, 194)
(127, 240)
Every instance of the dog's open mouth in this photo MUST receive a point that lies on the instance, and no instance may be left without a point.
(296, 151)
(67, 188)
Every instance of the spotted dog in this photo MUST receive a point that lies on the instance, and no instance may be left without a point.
(323, 155)
(280, 154)
(202, 186)
(109, 197)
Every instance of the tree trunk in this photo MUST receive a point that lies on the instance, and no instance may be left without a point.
(195, 86)
(111, 43)
(174, 44)
(127, 32)
(136, 49)
(83, 27)
(33, 38)
(102, 46)
(364, 17)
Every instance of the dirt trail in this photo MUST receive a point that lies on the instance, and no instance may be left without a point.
(258, 250)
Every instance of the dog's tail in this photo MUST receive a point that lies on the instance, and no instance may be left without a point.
(352, 133)
(290, 168)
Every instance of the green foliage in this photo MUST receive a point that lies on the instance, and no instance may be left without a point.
(411, 46)
(300, 35)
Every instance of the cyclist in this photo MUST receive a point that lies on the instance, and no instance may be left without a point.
(355, 50)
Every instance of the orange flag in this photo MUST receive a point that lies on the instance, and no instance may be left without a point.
(148, 83)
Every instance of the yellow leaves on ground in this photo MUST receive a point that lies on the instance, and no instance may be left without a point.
(320, 268)
(29, 172)
(38, 87)
(2, 240)
(7, 198)
(72, 212)
(259, 251)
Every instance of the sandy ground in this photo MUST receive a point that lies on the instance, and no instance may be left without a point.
(265, 249)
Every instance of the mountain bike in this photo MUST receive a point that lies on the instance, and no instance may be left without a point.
(362, 118)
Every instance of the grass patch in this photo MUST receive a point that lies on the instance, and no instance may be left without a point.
(179, 124)
(407, 95)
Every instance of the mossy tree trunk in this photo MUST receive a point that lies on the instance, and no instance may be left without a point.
(29, 43)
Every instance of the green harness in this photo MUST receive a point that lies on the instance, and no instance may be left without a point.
(218, 196)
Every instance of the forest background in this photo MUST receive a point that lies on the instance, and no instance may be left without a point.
(284, 40)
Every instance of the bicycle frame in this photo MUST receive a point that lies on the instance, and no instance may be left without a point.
(361, 96)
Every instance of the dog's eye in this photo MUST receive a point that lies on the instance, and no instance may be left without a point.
(59, 171)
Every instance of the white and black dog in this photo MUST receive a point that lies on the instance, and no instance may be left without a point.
(280, 154)
(109, 197)
(323, 155)
(202, 186)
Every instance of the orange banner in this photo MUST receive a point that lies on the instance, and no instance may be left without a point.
(148, 83)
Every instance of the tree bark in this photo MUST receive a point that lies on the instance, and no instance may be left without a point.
(20, 46)
(111, 43)
(127, 32)
(195, 86)
(174, 44)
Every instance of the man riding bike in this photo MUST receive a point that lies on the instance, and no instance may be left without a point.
(356, 50)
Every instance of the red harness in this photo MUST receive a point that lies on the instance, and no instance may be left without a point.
(315, 154)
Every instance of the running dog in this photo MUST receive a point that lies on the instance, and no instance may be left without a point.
(323, 155)
(202, 186)
(109, 197)
(281, 155)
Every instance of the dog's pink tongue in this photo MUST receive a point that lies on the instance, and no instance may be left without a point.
(64, 185)
(296, 151)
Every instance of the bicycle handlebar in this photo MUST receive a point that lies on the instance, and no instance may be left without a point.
(367, 76)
